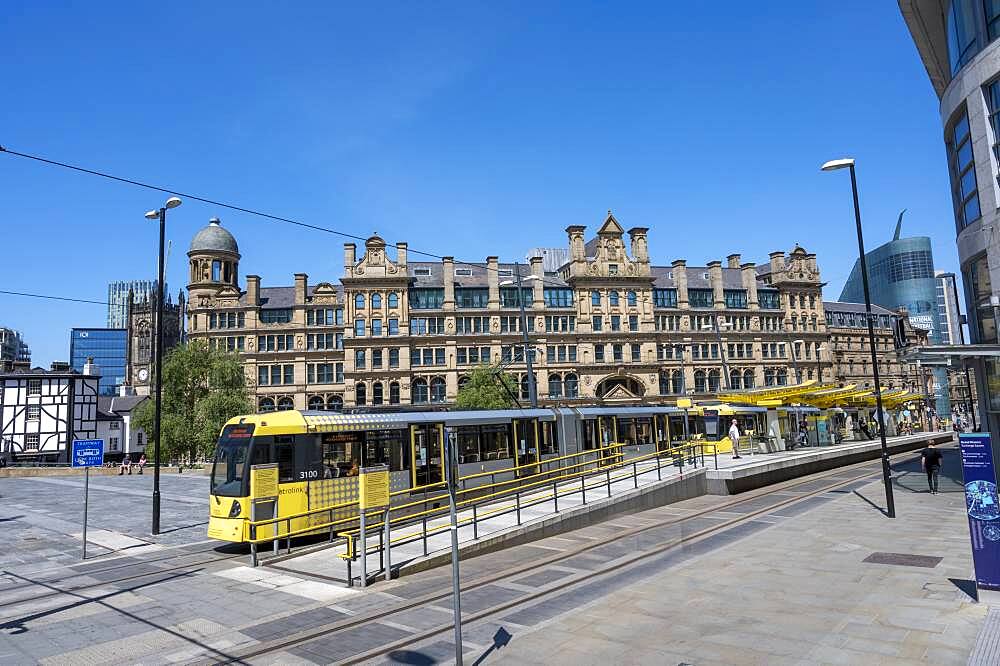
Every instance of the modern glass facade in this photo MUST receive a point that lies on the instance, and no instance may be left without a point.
(142, 291)
(901, 275)
(108, 347)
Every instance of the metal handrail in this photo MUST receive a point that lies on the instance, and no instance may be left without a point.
(616, 461)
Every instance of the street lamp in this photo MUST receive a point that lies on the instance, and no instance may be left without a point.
(819, 363)
(834, 165)
(161, 215)
(722, 350)
(532, 387)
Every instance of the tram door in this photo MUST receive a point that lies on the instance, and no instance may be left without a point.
(427, 442)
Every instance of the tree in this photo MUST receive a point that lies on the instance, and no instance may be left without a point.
(202, 389)
(485, 390)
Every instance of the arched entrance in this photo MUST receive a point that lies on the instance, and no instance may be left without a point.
(619, 387)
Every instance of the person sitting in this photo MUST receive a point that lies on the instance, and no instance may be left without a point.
(126, 464)
(142, 462)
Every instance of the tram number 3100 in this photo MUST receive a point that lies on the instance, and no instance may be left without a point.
(305, 475)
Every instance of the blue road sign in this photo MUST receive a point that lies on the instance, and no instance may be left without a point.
(88, 452)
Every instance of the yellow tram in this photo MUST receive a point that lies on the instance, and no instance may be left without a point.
(318, 456)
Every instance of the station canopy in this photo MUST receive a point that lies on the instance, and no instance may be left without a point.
(823, 396)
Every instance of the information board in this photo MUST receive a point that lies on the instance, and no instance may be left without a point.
(684, 403)
(373, 487)
(88, 452)
(983, 507)
(264, 480)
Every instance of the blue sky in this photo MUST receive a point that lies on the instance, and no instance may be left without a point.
(465, 129)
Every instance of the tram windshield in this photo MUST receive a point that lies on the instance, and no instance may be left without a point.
(230, 464)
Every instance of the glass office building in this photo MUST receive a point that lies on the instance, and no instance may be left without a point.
(958, 42)
(143, 291)
(108, 348)
(901, 275)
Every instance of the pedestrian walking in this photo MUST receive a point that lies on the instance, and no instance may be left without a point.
(930, 459)
(734, 437)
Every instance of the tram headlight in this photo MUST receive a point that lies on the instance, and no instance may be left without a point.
(234, 510)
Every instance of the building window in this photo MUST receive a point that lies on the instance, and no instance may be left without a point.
(962, 167)
(571, 386)
(427, 298)
(636, 352)
(748, 379)
(115, 425)
(466, 297)
(595, 299)
(713, 381)
(699, 381)
(113, 443)
(701, 298)
(376, 327)
(437, 390)
(34, 387)
(394, 393)
(665, 298)
(617, 353)
(275, 316)
(509, 298)
(613, 298)
(558, 298)
(316, 403)
(631, 299)
(555, 386)
(420, 394)
(359, 359)
(596, 323)
(376, 305)
(394, 358)
(961, 19)
(735, 298)
(266, 405)
(616, 323)
(31, 442)
(359, 301)
(359, 328)
(769, 299)
(34, 413)
(393, 300)
(360, 397)
(376, 391)
(393, 327)
(335, 404)
(633, 323)
(285, 404)
(376, 359)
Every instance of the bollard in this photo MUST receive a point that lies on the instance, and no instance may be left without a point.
(555, 496)
(517, 499)
(607, 473)
(475, 524)
(635, 475)
(583, 488)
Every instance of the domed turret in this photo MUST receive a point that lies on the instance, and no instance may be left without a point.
(214, 259)
(214, 238)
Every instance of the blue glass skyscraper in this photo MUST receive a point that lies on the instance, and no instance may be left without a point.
(901, 275)
(107, 346)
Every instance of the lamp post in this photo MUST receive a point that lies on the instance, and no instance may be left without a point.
(681, 347)
(532, 387)
(886, 472)
(819, 363)
(961, 337)
(161, 215)
(718, 336)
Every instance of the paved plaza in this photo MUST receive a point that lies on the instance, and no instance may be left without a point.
(790, 586)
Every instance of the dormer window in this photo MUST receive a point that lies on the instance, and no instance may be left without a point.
(612, 269)
(421, 271)
(704, 276)
(463, 271)
(505, 272)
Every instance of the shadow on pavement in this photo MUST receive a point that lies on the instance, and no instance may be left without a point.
(872, 504)
(411, 657)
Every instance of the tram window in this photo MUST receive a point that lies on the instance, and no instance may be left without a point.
(342, 452)
(495, 442)
(468, 444)
(386, 447)
(590, 440)
(284, 455)
(550, 441)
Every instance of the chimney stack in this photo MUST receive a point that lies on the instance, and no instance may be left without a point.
(253, 290)
(350, 258)
(538, 286)
(301, 288)
(733, 261)
(401, 255)
(448, 268)
(679, 269)
(493, 280)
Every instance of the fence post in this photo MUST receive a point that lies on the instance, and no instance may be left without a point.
(583, 488)
(607, 473)
(475, 523)
(423, 522)
(555, 495)
(635, 475)
(659, 474)
(517, 499)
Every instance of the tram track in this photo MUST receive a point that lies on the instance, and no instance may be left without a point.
(870, 471)
(182, 569)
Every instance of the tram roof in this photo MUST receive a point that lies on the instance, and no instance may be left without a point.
(290, 421)
(646, 410)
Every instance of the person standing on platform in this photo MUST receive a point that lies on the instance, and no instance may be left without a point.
(734, 437)
(930, 459)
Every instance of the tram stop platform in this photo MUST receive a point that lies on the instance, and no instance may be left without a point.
(537, 515)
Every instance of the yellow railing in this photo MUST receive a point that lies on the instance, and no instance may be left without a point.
(606, 462)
